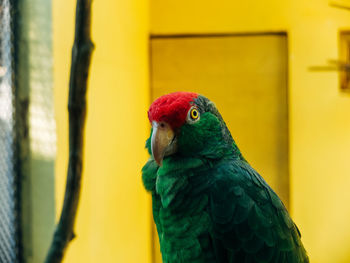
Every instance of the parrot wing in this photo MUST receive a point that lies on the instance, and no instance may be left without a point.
(250, 223)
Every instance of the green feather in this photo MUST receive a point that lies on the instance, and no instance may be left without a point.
(210, 205)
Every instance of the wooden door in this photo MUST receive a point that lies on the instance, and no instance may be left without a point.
(246, 77)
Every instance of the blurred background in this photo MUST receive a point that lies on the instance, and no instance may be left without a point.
(276, 70)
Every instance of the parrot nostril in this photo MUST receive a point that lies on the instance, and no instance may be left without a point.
(162, 125)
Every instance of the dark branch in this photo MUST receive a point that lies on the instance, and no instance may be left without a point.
(81, 57)
(339, 6)
(333, 65)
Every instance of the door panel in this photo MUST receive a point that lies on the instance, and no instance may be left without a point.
(246, 77)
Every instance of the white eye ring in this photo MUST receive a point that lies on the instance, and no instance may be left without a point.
(193, 115)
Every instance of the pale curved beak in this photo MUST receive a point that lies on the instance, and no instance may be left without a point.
(162, 142)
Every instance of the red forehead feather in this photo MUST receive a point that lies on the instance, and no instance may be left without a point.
(172, 108)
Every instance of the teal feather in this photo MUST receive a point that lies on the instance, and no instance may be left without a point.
(266, 254)
(253, 245)
(244, 232)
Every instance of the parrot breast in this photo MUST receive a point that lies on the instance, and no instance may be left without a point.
(180, 211)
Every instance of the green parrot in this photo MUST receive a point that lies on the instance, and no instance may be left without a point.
(209, 204)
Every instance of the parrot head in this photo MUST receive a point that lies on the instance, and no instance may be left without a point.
(188, 124)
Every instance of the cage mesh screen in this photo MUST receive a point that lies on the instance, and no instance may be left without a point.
(8, 195)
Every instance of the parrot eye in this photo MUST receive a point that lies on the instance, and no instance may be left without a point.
(193, 115)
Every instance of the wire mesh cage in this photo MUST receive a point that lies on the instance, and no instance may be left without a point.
(8, 189)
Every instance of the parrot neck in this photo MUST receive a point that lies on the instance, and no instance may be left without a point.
(236, 152)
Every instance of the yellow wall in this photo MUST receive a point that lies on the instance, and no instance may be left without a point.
(113, 223)
(114, 216)
(319, 112)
